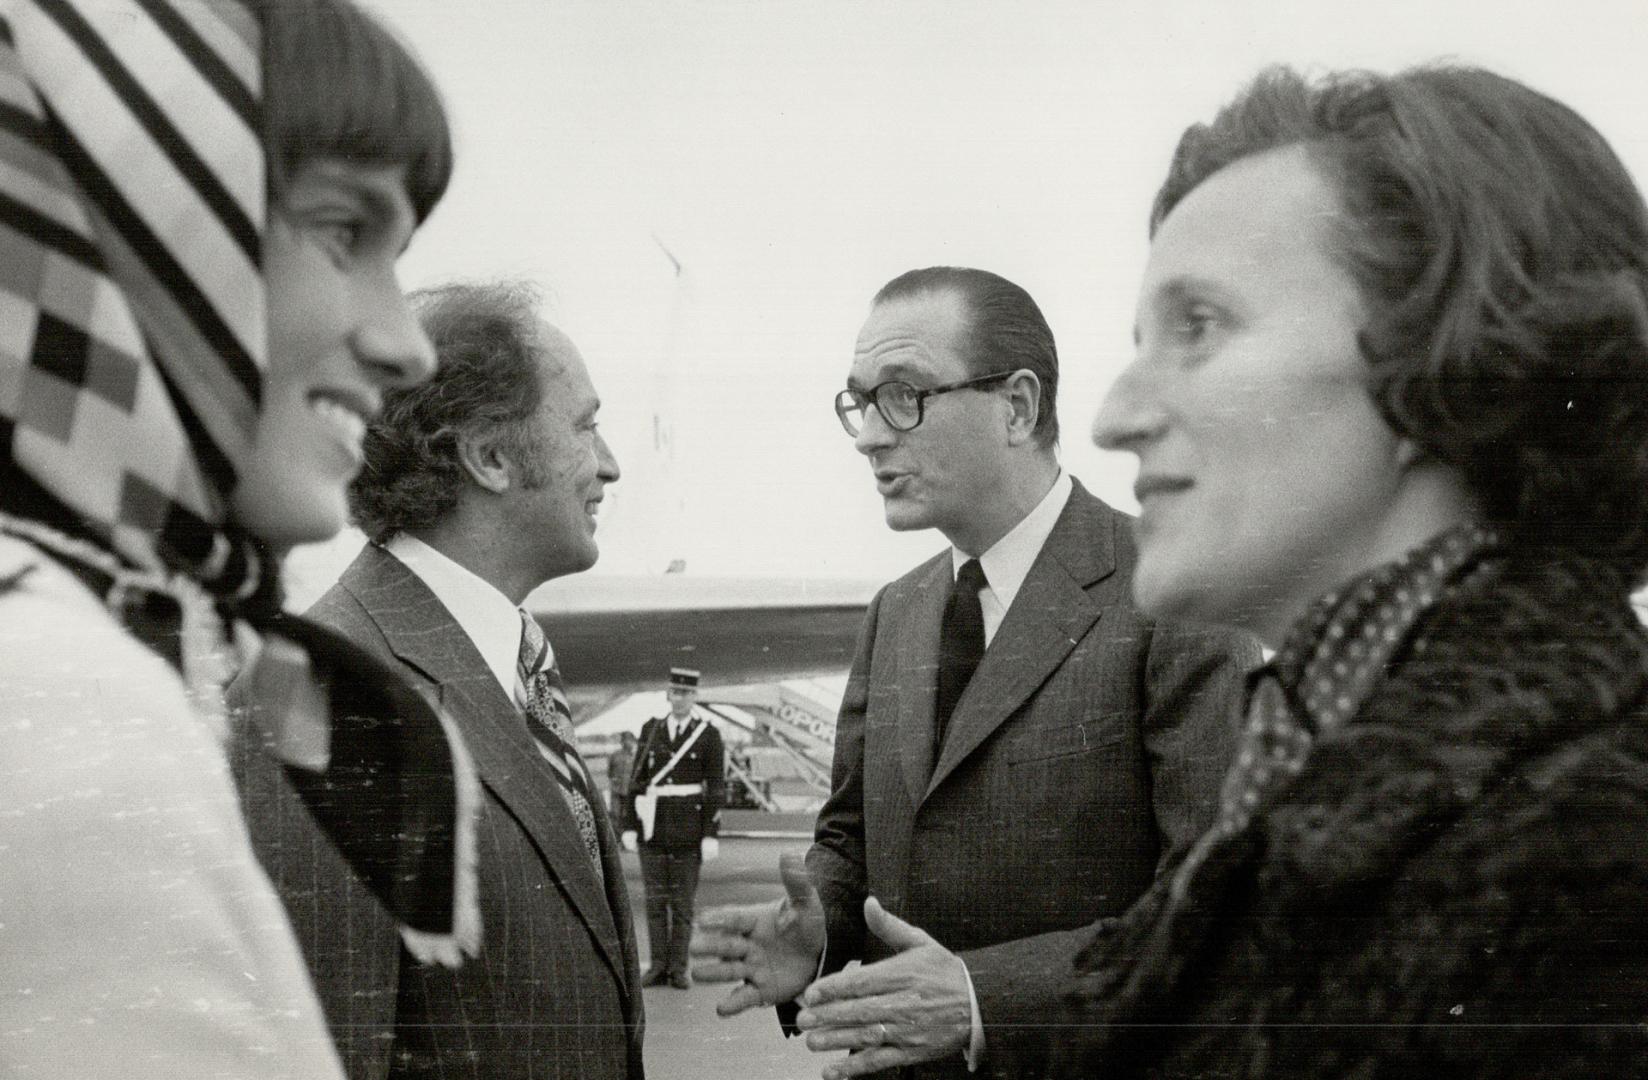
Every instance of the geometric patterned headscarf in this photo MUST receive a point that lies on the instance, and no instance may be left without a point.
(132, 353)
(132, 317)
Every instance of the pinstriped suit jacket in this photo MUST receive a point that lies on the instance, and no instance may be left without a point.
(555, 991)
(1090, 741)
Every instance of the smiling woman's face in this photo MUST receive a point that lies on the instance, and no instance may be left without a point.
(1266, 474)
(340, 332)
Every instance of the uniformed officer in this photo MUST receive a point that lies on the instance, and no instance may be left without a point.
(679, 785)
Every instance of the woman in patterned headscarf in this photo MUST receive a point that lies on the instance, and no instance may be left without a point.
(165, 435)
(1389, 409)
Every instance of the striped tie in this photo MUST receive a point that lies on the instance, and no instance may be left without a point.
(543, 701)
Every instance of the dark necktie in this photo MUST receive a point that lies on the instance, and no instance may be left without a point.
(549, 718)
(961, 645)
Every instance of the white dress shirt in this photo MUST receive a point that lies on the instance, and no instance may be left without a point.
(480, 610)
(1009, 559)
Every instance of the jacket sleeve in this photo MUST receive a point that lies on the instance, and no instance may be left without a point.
(1021, 987)
(1194, 678)
(836, 861)
(715, 780)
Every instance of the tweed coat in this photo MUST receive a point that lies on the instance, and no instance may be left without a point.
(1456, 885)
(1089, 742)
(555, 991)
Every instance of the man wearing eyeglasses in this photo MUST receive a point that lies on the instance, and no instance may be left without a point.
(1018, 748)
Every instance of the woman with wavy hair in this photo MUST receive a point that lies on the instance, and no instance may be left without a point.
(1390, 404)
(185, 377)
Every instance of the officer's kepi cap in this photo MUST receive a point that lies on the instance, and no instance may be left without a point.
(682, 678)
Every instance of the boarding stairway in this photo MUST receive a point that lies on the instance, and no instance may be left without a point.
(777, 716)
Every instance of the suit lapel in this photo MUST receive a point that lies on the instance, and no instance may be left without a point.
(422, 633)
(917, 634)
(1049, 616)
(513, 768)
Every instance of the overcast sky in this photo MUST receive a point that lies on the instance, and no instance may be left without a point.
(794, 156)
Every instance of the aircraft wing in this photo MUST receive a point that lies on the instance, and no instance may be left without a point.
(621, 634)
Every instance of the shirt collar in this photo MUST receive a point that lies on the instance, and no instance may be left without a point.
(1009, 559)
(480, 610)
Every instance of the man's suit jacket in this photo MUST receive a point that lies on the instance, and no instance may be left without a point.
(682, 820)
(555, 991)
(1090, 741)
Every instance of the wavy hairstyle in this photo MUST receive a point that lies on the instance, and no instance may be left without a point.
(487, 340)
(1503, 249)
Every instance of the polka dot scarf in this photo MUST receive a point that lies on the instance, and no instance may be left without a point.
(1325, 670)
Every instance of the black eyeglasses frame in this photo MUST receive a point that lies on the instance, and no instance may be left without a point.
(864, 400)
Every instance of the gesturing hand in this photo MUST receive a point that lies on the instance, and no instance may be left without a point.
(908, 1008)
(773, 948)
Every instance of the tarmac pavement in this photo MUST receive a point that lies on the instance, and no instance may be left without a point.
(685, 1040)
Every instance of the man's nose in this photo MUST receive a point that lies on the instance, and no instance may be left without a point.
(874, 433)
(606, 463)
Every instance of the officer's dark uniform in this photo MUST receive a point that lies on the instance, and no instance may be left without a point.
(689, 809)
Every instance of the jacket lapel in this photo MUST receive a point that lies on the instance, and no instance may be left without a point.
(423, 634)
(1050, 615)
(917, 632)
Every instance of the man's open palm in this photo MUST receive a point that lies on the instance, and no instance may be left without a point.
(772, 949)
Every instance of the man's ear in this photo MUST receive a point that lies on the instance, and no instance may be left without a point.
(1024, 396)
(482, 456)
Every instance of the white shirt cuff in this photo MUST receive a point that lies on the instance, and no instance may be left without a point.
(975, 1045)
